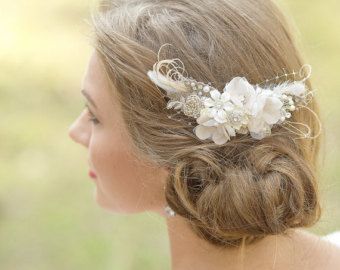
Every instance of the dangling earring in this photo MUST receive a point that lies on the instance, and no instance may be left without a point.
(169, 212)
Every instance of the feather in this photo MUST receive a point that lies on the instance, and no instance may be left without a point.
(166, 82)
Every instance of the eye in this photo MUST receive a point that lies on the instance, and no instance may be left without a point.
(91, 118)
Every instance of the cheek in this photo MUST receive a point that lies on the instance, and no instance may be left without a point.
(123, 183)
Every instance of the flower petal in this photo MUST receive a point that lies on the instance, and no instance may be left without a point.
(221, 116)
(258, 136)
(210, 123)
(219, 137)
(225, 96)
(230, 130)
(256, 125)
(215, 94)
(259, 103)
(264, 132)
(272, 110)
(203, 132)
(240, 90)
(208, 102)
(228, 106)
(203, 118)
(212, 112)
(232, 85)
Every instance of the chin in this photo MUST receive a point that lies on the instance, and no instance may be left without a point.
(102, 202)
(111, 206)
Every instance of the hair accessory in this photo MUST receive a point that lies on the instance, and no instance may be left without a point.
(241, 107)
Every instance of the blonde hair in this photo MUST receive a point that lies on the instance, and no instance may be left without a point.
(246, 189)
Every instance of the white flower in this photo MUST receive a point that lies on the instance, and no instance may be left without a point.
(220, 134)
(206, 119)
(241, 93)
(267, 106)
(217, 105)
(225, 112)
(265, 112)
(238, 118)
(210, 128)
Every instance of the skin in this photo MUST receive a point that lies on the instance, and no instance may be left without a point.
(126, 183)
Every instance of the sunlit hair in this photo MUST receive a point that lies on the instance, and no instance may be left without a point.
(247, 189)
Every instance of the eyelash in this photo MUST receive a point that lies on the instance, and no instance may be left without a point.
(91, 118)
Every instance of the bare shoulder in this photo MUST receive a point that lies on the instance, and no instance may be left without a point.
(322, 254)
(331, 255)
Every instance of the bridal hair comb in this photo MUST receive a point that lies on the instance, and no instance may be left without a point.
(241, 107)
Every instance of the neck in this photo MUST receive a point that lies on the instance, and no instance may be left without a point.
(188, 251)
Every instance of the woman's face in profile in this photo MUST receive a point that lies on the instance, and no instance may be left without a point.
(123, 182)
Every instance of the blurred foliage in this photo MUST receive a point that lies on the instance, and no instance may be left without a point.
(48, 218)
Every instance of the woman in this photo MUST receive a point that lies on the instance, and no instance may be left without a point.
(236, 195)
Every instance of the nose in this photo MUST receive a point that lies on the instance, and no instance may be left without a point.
(80, 130)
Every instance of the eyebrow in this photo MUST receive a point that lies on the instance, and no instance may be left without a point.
(89, 98)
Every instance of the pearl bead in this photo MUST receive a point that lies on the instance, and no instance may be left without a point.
(169, 212)
(206, 88)
(292, 107)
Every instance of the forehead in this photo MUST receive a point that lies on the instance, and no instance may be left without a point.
(95, 80)
(94, 73)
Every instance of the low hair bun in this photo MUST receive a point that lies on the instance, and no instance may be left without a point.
(262, 189)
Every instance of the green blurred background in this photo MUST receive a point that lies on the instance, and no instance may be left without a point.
(48, 217)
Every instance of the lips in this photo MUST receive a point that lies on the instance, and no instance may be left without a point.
(92, 175)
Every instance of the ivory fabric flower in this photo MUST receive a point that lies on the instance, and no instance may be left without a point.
(210, 128)
(220, 134)
(241, 92)
(226, 112)
(217, 105)
(266, 111)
